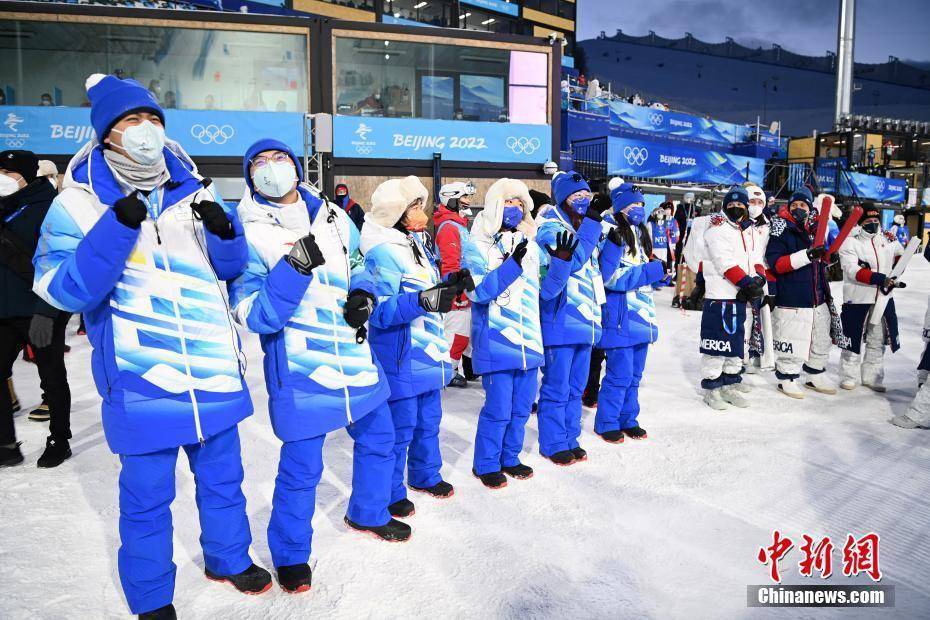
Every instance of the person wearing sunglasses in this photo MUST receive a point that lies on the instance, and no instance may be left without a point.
(571, 319)
(406, 332)
(307, 295)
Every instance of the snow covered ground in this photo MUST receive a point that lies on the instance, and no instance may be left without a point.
(666, 528)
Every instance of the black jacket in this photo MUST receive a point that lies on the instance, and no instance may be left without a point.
(21, 216)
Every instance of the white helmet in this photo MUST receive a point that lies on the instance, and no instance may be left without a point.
(755, 191)
(899, 219)
(456, 190)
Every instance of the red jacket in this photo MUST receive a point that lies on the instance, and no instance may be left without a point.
(448, 238)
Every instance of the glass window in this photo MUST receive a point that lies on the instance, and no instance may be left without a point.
(473, 19)
(185, 67)
(432, 12)
(368, 5)
(387, 77)
(567, 10)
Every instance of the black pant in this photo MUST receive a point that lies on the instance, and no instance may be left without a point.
(53, 376)
(594, 375)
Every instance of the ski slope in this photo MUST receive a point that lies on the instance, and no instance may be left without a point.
(664, 528)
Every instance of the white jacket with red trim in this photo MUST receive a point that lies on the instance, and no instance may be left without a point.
(732, 253)
(862, 256)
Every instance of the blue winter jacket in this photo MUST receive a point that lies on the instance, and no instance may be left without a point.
(408, 341)
(166, 356)
(799, 284)
(319, 378)
(903, 234)
(574, 315)
(630, 312)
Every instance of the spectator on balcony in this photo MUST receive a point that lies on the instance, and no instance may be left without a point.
(594, 89)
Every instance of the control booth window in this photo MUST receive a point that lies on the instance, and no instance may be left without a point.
(431, 12)
(186, 68)
(473, 19)
(416, 79)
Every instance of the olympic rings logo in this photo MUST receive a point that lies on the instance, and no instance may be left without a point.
(655, 119)
(212, 133)
(880, 185)
(15, 143)
(523, 145)
(635, 155)
(363, 149)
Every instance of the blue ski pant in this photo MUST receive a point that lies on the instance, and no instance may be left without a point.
(146, 490)
(509, 396)
(559, 415)
(300, 468)
(416, 442)
(618, 400)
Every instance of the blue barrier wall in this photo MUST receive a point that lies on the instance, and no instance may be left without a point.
(641, 158)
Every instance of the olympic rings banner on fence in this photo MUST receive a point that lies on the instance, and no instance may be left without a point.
(640, 158)
(202, 133)
(642, 119)
(419, 138)
(862, 185)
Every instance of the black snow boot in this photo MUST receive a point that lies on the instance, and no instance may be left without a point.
(40, 413)
(492, 480)
(580, 454)
(518, 471)
(253, 580)
(636, 432)
(562, 458)
(295, 578)
(162, 613)
(10, 455)
(467, 369)
(458, 381)
(402, 508)
(392, 531)
(440, 490)
(611, 436)
(57, 451)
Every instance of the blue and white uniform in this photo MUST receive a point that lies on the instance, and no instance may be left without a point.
(319, 378)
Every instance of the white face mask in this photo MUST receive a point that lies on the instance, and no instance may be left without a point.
(275, 179)
(143, 142)
(755, 210)
(8, 185)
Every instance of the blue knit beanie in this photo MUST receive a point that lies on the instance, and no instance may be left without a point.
(112, 98)
(803, 194)
(564, 184)
(267, 144)
(737, 194)
(624, 195)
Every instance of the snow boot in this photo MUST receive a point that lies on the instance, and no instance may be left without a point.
(730, 394)
(714, 399)
(392, 531)
(563, 458)
(580, 454)
(162, 613)
(636, 432)
(742, 387)
(903, 421)
(790, 387)
(440, 490)
(819, 383)
(295, 578)
(848, 384)
(611, 436)
(57, 451)
(14, 399)
(10, 455)
(81, 330)
(458, 381)
(492, 480)
(40, 413)
(253, 580)
(402, 508)
(875, 387)
(518, 471)
(589, 401)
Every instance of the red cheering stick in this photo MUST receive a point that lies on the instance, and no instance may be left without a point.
(851, 221)
(823, 220)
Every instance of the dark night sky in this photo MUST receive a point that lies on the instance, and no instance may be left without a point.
(883, 27)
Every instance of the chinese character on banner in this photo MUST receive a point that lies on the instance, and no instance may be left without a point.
(773, 553)
(861, 556)
(816, 557)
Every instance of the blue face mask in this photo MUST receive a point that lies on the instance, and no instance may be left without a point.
(512, 217)
(636, 214)
(580, 206)
(800, 215)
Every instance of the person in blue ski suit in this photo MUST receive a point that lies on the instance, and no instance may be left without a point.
(506, 331)
(629, 315)
(900, 231)
(571, 320)
(406, 333)
(306, 293)
(139, 242)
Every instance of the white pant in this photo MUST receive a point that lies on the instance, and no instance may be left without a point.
(868, 365)
(458, 323)
(919, 411)
(712, 366)
(802, 337)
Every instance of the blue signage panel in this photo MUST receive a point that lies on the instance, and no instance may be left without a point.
(862, 185)
(419, 138)
(390, 19)
(202, 133)
(639, 118)
(640, 158)
(509, 8)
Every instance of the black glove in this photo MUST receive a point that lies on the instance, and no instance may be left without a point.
(565, 245)
(890, 285)
(519, 252)
(753, 289)
(40, 330)
(615, 237)
(816, 253)
(593, 214)
(358, 307)
(461, 280)
(214, 219)
(305, 255)
(130, 211)
(769, 300)
(439, 298)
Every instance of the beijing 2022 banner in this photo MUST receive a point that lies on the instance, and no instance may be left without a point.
(862, 185)
(640, 158)
(626, 116)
